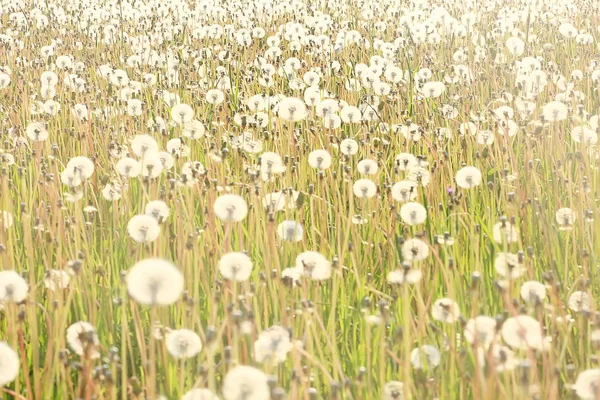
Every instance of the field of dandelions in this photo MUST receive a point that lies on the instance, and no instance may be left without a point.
(273, 199)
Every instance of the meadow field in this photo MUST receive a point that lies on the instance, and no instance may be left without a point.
(302, 200)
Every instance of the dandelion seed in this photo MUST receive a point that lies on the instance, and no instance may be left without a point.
(290, 231)
(81, 166)
(407, 276)
(508, 265)
(533, 292)
(433, 89)
(9, 364)
(565, 218)
(143, 228)
(314, 265)
(505, 232)
(182, 113)
(112, 191)
(587, 385)
(183, 343)
(319, 159)
(273, 345)
(56, 279)
(154, 281)
(36, 132)
(200, 394)
(413, 213)
(364, 188)
(13, 288)
(404, 191)
(158, 209)
(414, 250)
(245, 382)
(349, 147)
(367, 167)
(424, 357)
(128, 167)
(230, 208)
(579, 301)
(193, 130)
(480, 331)
(83, 339)
(291, 276)
(555, 111)
(235, 266)
(292, 109)
(445, 310)
(468, 177)
(523, 332)
(393, 390)
(215, 96)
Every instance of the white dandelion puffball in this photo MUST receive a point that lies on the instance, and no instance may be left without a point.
(424, 357)
(128, 167)
(143, 228)
(586, 385)
(290, 231)
(582, 134)
(273, 345)
(565, 218)
(36, 131)
(314, 265)
(505, 232)
(413, 213)
(200, 394)
(509, 266)
(182, 113)
(193, 130)
(579, 301)
(533, 292)
(230, 208)
(319, 159)
(235, 266)
(13, 287)
(154, 281)
(402, 276)
(480, 331)
(292, 109)
(245, 382)
(415, 250)
(81, 166)
(555, 111)
(515, 45)
(393, 390)
(364, 188)
(144, 144)
(183, 343)
(433, 89)
(523, 332)
(367, 167)
(405, 161)
(468, 177)
(9, 364)
(445, 310)
(83, 339)
(349, 147)
(404, 191)
(56, 279)
(157, 209)
(215, 96)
